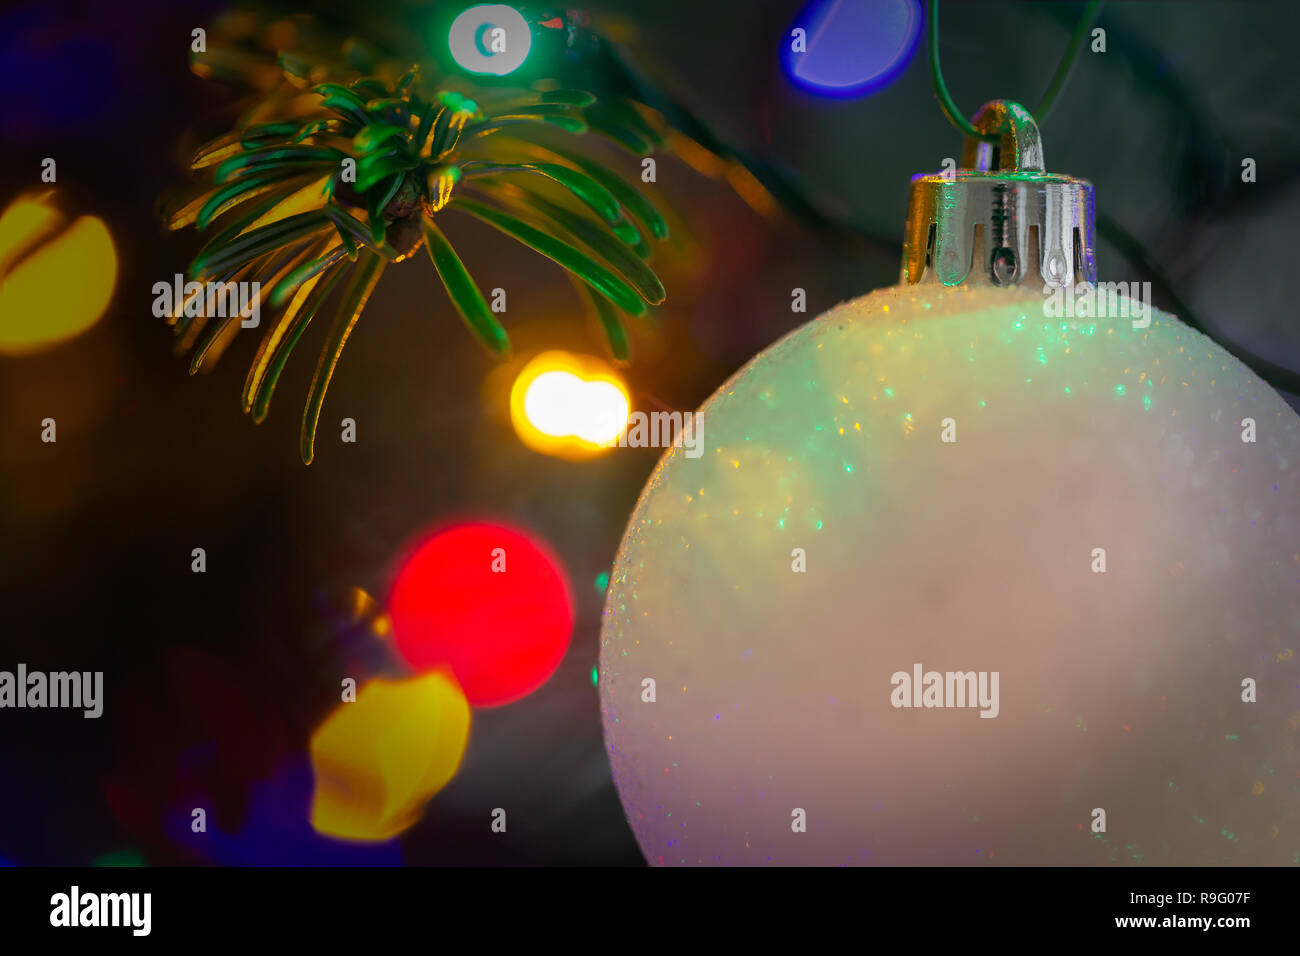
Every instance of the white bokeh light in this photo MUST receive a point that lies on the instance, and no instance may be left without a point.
(560, 404)
(490, 38)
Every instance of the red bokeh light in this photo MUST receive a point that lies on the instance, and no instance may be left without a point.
(502, 633)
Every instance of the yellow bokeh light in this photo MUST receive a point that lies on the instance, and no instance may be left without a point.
(378, 759)
(567, 405)
(56, 277)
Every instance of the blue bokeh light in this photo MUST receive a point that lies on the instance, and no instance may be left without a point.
(277, 830)
(853, 47)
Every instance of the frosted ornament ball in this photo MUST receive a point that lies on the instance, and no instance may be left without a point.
(941, 482)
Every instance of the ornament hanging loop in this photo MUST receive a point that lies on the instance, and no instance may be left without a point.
(1000, 218)
(1019, 150)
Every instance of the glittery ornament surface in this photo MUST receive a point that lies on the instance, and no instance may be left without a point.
(773, 735)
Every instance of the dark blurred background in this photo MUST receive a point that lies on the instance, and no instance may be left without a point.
(215, 682)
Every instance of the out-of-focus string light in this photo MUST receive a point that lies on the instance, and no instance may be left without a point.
(487, 602)
(567, 405)
(56, 275)
(490, 38)
(275, 829)
(560, 404)
(219, 752)
(851, 49)
(379, 759)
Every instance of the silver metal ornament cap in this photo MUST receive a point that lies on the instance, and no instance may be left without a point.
(1000, 217)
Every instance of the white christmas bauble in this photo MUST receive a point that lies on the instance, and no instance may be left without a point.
(1084, 539)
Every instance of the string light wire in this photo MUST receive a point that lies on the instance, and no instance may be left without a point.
(957, 118)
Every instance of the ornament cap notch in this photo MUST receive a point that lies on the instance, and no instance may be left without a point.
(1002, 210)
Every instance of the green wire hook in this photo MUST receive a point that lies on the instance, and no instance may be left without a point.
(957, 118)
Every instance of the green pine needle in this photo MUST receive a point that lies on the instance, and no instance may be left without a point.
(364, 279)
(464, 292)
